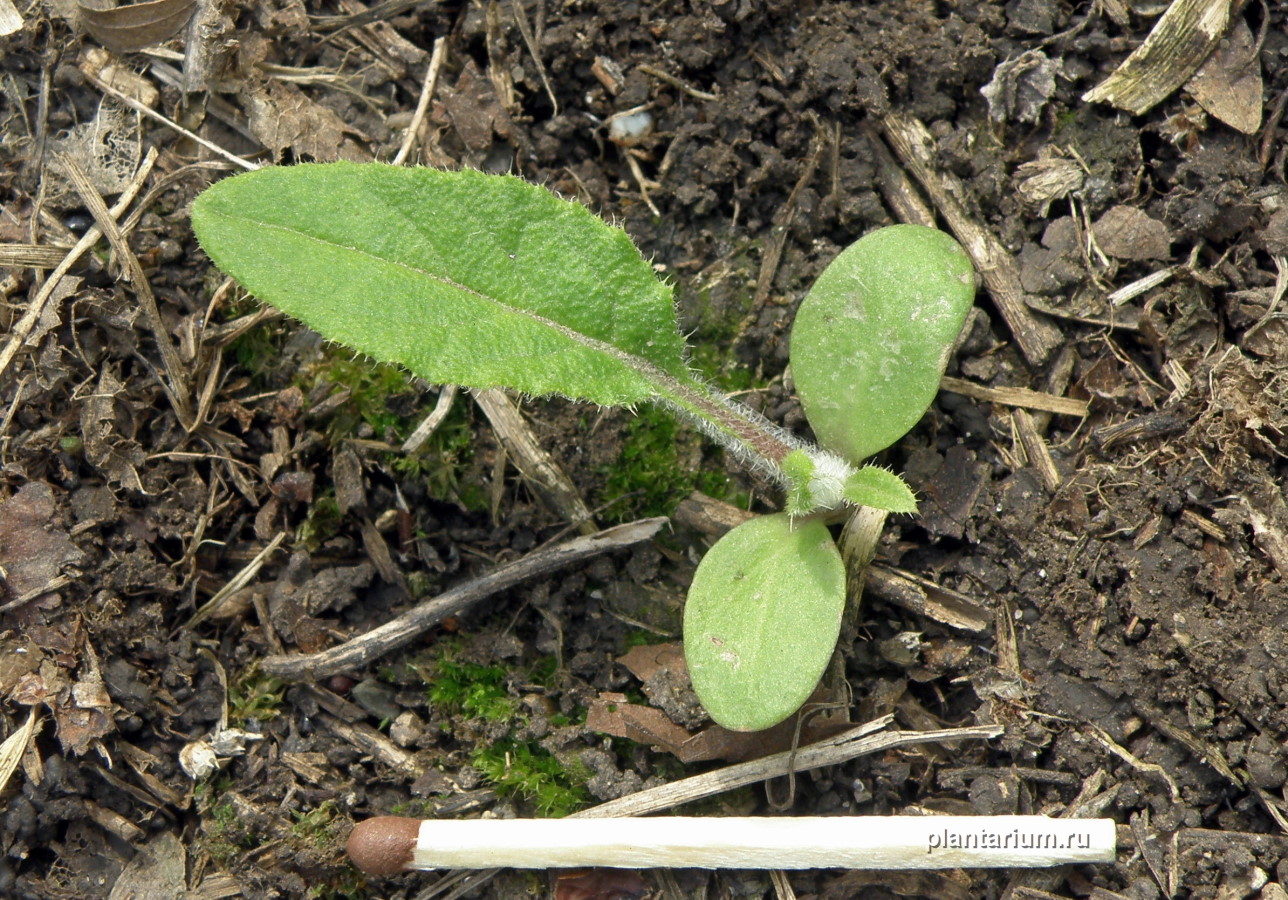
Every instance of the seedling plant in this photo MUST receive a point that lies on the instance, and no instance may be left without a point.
(489, 281)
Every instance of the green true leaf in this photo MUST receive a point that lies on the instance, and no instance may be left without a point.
(880, 489)
(761, 620)
(466, 278)
(872, 338)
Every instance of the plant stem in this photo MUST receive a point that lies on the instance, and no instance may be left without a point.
(858, 547)
(749, 436)
(740, 428)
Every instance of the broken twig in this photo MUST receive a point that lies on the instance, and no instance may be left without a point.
(406, 628)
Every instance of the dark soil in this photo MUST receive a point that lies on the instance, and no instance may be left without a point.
(1137, 654)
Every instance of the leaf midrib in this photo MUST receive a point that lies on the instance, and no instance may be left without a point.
(645, 368)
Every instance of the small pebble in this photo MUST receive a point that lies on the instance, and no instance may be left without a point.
(628, 129)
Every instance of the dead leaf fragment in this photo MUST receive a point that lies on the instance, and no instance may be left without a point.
(20, 656)
(157, 871)
(1021, 87)
(1268, 515)
(1229, 85)
(128, 28)
(1125, 232)
(1045, 180)
(612, 714)
(108, 148)
(647, 660)
(1268, 338)
(474, 110)
(34, 546)
(79, 729)
(107, 427)
(283, 118)
(1177, 45)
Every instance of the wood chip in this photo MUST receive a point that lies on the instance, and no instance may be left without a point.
(404, 629)
(372, 743)
(113, 822)
(15, 745)
(537, 467)
(925, 598)
(10, 18)
(1035, 448)
(101, 65)
(709, 515)
(1065, 406)
(1178, 44)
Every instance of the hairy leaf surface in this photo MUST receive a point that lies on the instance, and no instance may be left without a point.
(761, 620)
(872, 338)
(880, 489)
(464, 278)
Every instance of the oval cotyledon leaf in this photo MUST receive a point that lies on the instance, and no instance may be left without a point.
(461, 277)
(872, 338)
(762, 618)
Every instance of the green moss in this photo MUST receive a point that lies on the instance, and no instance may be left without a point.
(258, 352)
(351, 885)
(716, 306)
(446, 463)
(415, 808)
(641, 637)
(472, 690)
(322, 522)
(382, 397)
(254, 695)
(419, 585)
(545, 671)
(315, 826)
(514, 766)
(225, 834)
(372, 386)
(713, 361)
(661, 463)
(553, 787)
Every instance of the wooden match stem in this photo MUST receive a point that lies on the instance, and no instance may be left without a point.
(855, 842)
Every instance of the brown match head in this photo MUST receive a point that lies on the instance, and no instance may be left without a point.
(383, 846)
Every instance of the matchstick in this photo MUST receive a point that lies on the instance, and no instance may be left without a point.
(387, 845)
